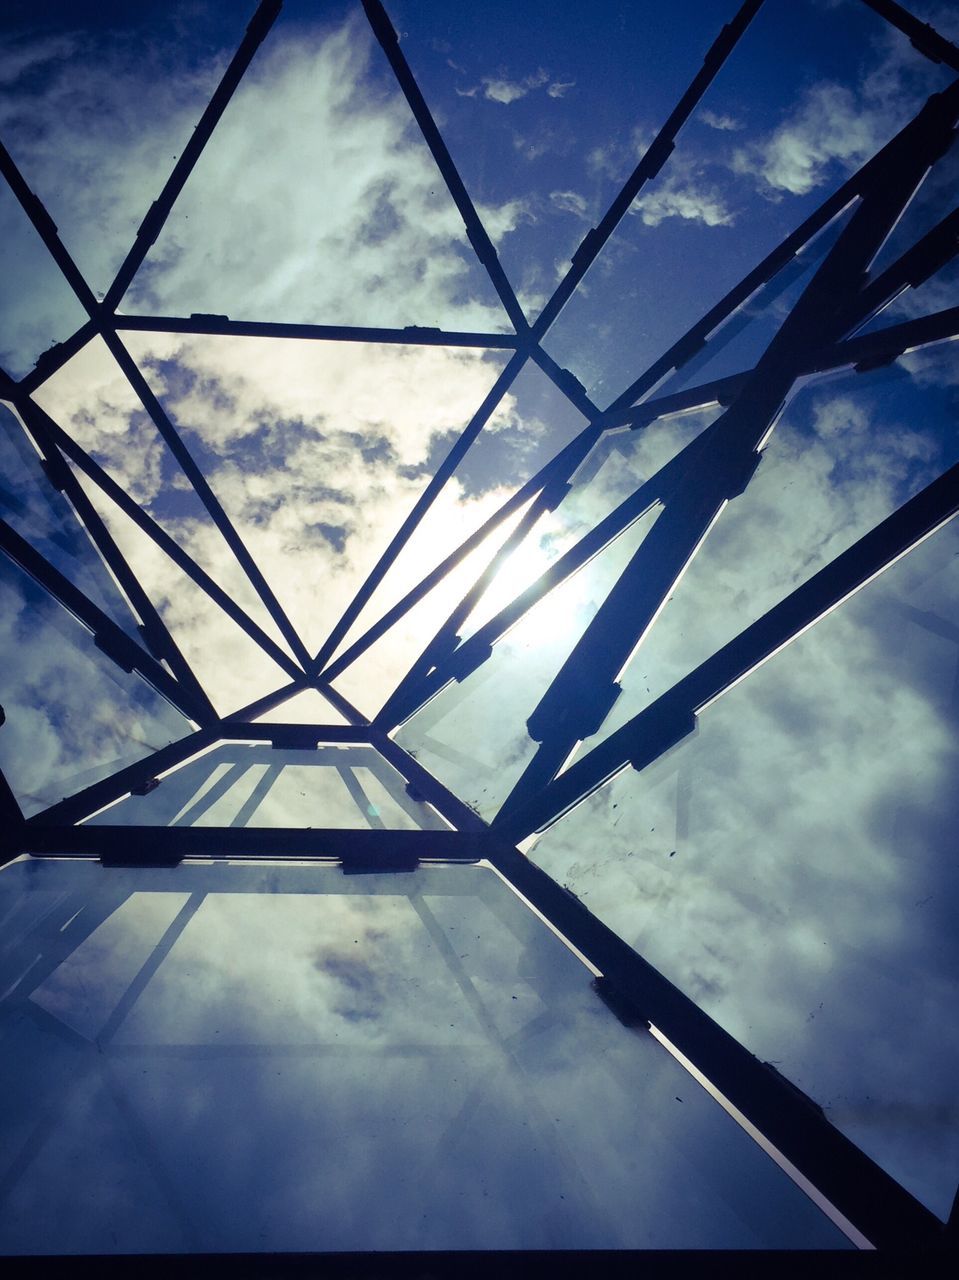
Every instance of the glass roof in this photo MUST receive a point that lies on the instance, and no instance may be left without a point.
(438, 428)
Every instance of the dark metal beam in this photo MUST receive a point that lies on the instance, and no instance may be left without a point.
(12, 821)
(475, 231)
(151, 846)
(291, 735)
(152, 224)
(878, 1206)
(413, 335)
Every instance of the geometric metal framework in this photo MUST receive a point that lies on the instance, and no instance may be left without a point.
(826, 329)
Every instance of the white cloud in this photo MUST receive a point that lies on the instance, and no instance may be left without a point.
(829, 127)
(498, 89)
(559, 88)
(570, 202)
(719, 120)
(679, 197)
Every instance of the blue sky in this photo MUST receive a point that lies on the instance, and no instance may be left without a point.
(317, 201)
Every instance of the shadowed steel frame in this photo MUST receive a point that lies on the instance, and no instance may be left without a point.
(819, 334)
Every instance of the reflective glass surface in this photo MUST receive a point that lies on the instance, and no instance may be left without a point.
(72, 715)
(805, 902)
(291, 1058)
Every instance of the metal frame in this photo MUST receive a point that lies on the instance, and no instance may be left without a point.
(819, 334)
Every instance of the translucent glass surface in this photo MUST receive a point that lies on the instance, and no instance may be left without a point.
(44, 518)
(72, 715)
(256, 785)
(301, 1047)
(847, 452)
(790, 865)
(807, 96)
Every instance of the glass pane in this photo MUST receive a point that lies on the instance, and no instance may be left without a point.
(846, 453)
(44, 518)
(257, 785)
(316, 449)
(40, 309)
(91, 399)
(349, 220)
(472, 736)
(789, 866)
(807, 96)
(419, 1040)
(72, 715)
(95, 109)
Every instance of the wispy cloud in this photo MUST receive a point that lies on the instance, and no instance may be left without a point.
(718, 120)
(684, 198)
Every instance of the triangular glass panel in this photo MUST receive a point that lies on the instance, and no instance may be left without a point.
(306, 707)
(258, 785)
(735, 186)
(316, 448)
(786, 866)
(372, 236)
(472, 735)
(93, 402)
(40, 308)
(847, 452)
(73, 716)
(96, 114)
(44, 518)
(232, 668)
(531, 424)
